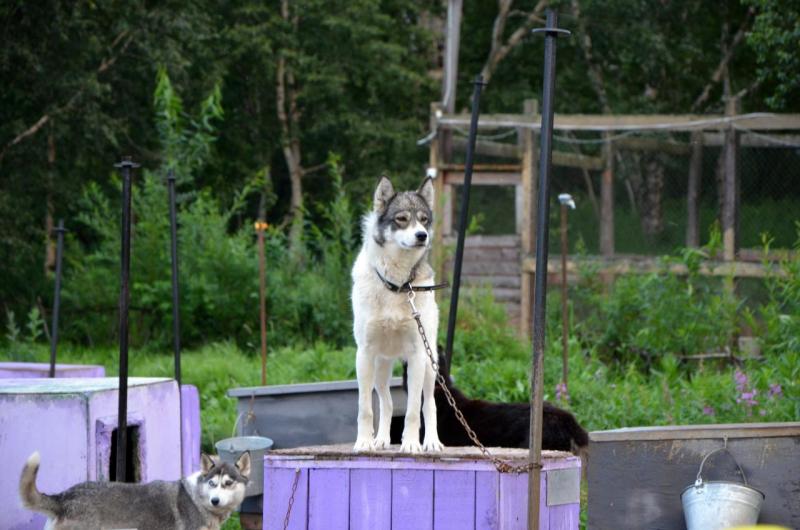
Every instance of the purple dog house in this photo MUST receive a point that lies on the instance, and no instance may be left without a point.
(71, 423)
(456, 489)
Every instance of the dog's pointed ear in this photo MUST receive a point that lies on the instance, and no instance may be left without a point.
(383, 194)
(206, 463)
(243, 464)
(426, 191)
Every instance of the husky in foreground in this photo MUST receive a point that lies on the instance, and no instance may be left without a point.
(393, 259)
(202, 501)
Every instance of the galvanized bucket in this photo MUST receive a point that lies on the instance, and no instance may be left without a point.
(230, 449)
(716, 505)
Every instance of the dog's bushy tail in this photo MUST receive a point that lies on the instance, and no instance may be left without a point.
(32, 498)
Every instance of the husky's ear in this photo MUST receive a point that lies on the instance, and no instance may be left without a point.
(426, 191)
(383, 194)
(206, 463)
(243, 464)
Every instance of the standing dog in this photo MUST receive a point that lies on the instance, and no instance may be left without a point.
(202, 501)
(397, 235)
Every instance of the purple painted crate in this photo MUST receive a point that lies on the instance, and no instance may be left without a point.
(9, 370)
(457, 489)
(70, 422)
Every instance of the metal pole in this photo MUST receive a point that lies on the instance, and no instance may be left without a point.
(176, 308)
(566, 201)
(564, 315)
(124, 302)
(262, 292)
(56, 296)
(462, 226)
(540, 282)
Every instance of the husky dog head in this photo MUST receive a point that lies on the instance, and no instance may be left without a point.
(404, 219)
(221, 485)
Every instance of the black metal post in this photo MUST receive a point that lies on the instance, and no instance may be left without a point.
(56, 296)
(540, 281)
(176, 314)
(176, 308)
(462, 226)
(124, 302)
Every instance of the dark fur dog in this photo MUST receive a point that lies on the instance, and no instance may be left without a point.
(500, 424)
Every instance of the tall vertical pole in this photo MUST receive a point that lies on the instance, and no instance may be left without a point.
(462, 226)
(176, 308)
(124, 301)
(56, 296)
(540, 282)
(262, 294)
(564, 308)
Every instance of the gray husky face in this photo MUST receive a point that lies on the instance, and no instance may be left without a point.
(404, 218)
(220, 485)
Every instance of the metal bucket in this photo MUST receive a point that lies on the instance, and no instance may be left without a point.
(716, 505)
(230, 449)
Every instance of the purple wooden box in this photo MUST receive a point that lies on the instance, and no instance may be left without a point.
(10, 370)
(70, 422)
(457, 489)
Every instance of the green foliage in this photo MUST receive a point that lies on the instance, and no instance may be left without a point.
(775, 38)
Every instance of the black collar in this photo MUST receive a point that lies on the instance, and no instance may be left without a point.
(406, 287)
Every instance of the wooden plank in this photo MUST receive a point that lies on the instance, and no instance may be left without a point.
(412, 499)
(694, 432)
(476, 168)
(778, 141)
(278, 491)
(560, 158)
(620, 265)
(630, 122)
(510, 240)
(483, 178)
(487, 499)
(454, 500)
(370, 499)
(514, 502)
(564, 517)
(329, 499)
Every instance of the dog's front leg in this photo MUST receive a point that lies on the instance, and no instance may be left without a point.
(416, 375)
(365, 373)
(431, 442)
(383, 371)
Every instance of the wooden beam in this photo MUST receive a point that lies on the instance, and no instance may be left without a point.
(527, 238)
(647, 265)
(560, 158)
(632, 122)
(781, 141)
(693, 191)
(483, 178)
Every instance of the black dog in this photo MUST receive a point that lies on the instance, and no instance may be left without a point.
(498, 424)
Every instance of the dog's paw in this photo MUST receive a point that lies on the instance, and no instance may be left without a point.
(410, 446)
(382, 442)
(432, 446)
(363, 445)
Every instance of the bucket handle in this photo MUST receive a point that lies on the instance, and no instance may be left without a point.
(699, 480)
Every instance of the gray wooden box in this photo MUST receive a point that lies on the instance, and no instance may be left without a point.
(636, 475)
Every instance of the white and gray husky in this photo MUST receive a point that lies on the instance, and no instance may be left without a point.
(397, 235)
(201, 501)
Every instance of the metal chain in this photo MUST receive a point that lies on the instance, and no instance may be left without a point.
(291, 498)
(503, 466)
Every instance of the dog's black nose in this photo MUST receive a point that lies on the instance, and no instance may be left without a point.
(215, 501)
(422, 236)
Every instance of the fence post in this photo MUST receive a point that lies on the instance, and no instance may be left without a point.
(528, 229)
(693, 191)
(434, 157)
(730, 186)
(607, 200)
(56, 296)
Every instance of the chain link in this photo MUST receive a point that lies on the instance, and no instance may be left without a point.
(503, 466)
(291, 498)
